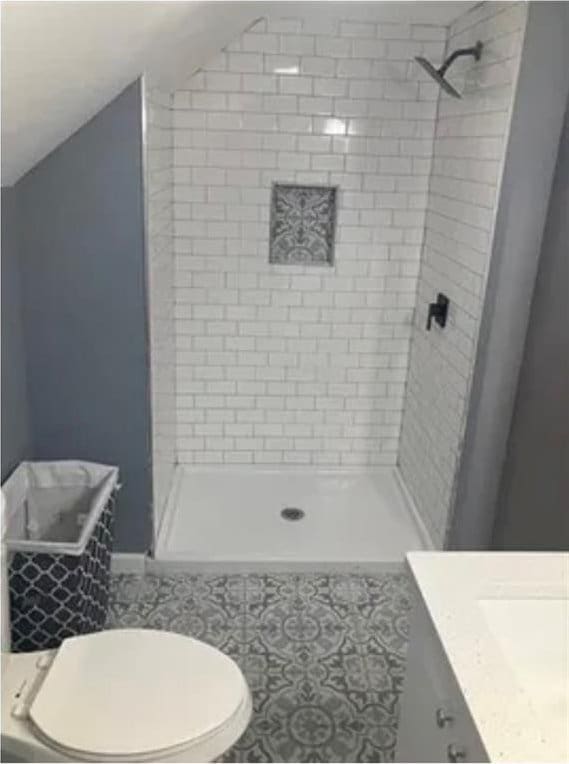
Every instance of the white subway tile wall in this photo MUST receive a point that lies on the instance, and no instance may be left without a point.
(469, 147)
(159, 221)
(289, 364)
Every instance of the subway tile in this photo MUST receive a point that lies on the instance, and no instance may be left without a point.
(326, 86)
(335, 47)
(284, 26)
(388, 31)
(259, 43)
(368, 48)
(356, 29)
(309, 105)
(280, 104)
(314, 143)
(296, 85)
(221, 81)
(293, 160)
(353, 67)
(271, 362)
(318, 66)
(295, 124)
(281, 64)
(302, 45)
(435, 400)
(259, 83)
(245, 62)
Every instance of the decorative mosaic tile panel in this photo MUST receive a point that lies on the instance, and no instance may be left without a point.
(324, 655)
(303, 220)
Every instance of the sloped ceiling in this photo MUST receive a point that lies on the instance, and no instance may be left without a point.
(63, 61)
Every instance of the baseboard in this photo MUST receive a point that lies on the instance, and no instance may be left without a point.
(125, 562)
(163, 567)
(426, 539)
(287, 469)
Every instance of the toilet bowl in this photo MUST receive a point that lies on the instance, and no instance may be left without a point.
(122, 695)
(118, 695)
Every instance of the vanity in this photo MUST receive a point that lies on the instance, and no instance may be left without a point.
(487, 667)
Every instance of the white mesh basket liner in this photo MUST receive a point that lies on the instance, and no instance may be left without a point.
(54, 506)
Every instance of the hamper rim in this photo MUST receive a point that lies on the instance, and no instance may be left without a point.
(105, 488)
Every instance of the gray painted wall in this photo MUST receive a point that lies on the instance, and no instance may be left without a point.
(533, 508)
(84, 305)
(536, 126)
(16, 436)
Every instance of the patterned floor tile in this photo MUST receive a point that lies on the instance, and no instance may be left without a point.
(324, 655)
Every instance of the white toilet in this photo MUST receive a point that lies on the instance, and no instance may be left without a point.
(120, 695)
(124, 695)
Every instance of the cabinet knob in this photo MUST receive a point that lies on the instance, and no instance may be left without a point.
(443, 718)
(454, 753)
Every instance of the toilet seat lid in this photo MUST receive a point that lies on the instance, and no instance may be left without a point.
(127, 693)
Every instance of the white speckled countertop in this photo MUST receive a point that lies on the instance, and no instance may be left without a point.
(503, 620)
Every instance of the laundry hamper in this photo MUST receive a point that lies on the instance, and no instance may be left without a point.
(58, 536)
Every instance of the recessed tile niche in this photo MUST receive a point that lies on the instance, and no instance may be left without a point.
(303, 220)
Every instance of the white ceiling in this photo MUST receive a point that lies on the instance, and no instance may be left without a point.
(63, 61)
(441, 12)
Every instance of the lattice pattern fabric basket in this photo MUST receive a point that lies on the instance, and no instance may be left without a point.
(59, 540)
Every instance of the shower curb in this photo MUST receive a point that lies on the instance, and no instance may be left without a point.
(155, 566)
(424, 534)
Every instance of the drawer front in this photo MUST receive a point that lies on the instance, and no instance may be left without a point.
(435, 724)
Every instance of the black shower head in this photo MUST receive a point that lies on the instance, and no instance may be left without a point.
(439, 74)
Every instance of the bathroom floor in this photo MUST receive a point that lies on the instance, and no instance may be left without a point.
(324, 655)
(349, 518)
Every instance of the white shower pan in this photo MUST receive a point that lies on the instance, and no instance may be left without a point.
(226, 516)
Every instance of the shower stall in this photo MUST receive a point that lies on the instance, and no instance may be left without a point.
(309, 193)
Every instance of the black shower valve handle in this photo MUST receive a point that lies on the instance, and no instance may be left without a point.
(439, 311)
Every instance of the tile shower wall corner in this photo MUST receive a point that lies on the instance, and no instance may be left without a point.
(290, 364)
(160, 274)
(469, 149)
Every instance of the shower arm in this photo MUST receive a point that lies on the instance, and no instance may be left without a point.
(475, 51)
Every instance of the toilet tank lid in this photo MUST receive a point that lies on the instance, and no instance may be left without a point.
(126, 693)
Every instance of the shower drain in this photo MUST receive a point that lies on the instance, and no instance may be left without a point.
(292, 513)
